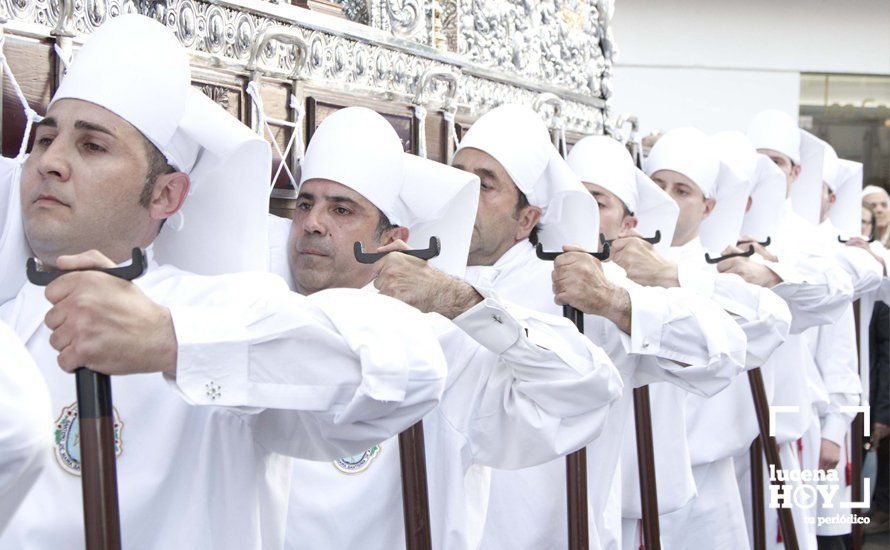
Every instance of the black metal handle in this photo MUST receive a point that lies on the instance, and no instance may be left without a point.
(429, 253)
(764, 244)
(654, 239)
(718, 259)
(842, 241)
(127, 272)
(601, 256)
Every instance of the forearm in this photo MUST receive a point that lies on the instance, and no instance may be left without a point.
(457, 298)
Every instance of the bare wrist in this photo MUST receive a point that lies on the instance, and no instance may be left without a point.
(460, 298)
(168, 352)
(618, 309)
(670, 277)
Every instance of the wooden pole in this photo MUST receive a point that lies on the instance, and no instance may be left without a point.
(576, 473)
(98, 469)
(415, 498)
(646, 465)
(643, 422)
(771, 451)
(95, 411)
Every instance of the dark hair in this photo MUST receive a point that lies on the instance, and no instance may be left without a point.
(383, 224)
(627, 212)
(521, 203)
(157, 166)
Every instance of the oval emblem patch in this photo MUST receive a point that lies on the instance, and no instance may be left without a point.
(67, 439)
(358, 463)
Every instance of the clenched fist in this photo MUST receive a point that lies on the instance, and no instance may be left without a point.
(748, 240)
(105, 323)
(642, 263)
(579, 281)
(420, 285)
(747, 269)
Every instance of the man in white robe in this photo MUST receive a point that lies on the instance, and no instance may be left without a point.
(528, 389)
(25, 411)
(127, 144)
(513, 374)
(835, 382)
(650, 333)
(712, 197)
(798, 246)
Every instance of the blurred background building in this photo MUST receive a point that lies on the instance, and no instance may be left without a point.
(714, 64)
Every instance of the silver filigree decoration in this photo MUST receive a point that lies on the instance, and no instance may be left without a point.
(405, 16)
(555, 45)
(217, 93)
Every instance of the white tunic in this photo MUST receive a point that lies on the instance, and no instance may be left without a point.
(817, 292)
(352, 368)
(24, 417)
(722, 426)
(667, 328)
(835, 381)
(523, 388)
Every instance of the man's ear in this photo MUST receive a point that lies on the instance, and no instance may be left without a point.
(168, 195)
(709, 207)
(397, 233)
(528, 218)
(748, 204)
(629, 222)
(795, 172)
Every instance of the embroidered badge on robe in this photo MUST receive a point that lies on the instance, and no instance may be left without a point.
(67, 439)
(358, 463)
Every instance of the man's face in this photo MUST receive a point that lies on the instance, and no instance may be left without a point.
(498, 224)
(867, 222)
(785, 164)
(82, 182)
(694, 208)
(878, 202)
(614, 217)
(827, 199)
(329, 219)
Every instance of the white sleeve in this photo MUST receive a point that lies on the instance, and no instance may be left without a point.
(680, 338)
(815, 289)
(25, 423)
(524, 387)
(866, 273)
(326, 376)
(761, 314)
(836, 360)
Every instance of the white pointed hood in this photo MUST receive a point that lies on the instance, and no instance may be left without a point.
(358, 148)
(603, 161)
(516, 137)
(846, 212)
(776, 130)
(690, 152)
(135, 67)
(766, 182)
(818, 164)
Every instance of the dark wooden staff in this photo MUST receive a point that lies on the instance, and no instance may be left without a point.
(771, 451)
(412, 453)
(763, 446)
(856, 442)
(645, 444)
(101, 513)
(576, 462)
